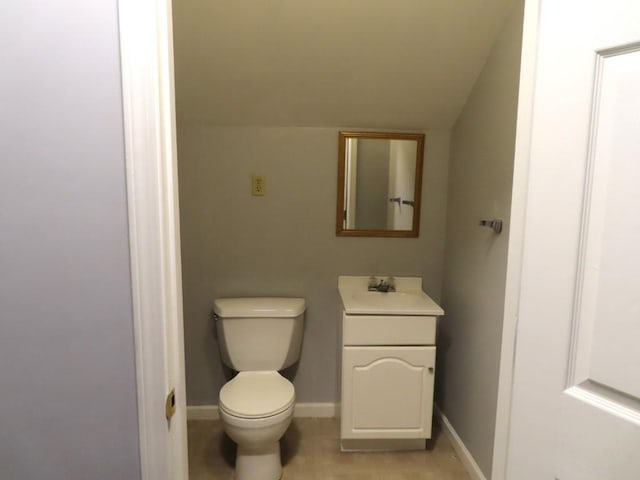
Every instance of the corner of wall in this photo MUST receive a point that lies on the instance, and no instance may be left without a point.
(474, 273)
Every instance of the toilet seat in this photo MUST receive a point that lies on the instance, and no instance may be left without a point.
(256, 395)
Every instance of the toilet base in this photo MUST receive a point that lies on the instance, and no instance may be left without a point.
(259, 464)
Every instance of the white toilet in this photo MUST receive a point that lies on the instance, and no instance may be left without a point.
(258, 337)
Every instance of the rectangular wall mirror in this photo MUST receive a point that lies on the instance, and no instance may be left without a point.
(379, 184)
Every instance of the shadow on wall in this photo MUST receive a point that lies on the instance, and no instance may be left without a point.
(443, 341)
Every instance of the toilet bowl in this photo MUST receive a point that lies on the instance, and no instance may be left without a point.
(256, 409)
(258, 337)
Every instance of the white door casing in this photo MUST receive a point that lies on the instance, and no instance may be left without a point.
(152, 190)
(516, 236)
(576, 392)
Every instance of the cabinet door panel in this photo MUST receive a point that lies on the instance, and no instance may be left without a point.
(387, 392)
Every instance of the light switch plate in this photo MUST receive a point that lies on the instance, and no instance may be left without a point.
(257, 185)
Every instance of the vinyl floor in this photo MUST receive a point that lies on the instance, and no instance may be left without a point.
(311, 451)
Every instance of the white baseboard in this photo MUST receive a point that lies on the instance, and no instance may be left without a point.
(316, 409)
(463, 454)
(310, 409)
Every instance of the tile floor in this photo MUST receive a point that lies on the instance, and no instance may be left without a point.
(311, 451)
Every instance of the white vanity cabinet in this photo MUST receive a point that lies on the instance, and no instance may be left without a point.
(388, 372)
(388, 367)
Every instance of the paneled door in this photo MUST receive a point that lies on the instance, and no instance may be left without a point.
(576, 397)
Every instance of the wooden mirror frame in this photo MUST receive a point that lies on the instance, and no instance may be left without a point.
(343, 136)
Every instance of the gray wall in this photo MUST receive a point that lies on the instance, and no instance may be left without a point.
(68, 405)
(480, 177)
(284, 243)
(372, 186)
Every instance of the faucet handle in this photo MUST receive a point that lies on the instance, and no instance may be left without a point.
(392, 284)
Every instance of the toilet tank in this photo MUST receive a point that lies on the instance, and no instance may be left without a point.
(263, 333)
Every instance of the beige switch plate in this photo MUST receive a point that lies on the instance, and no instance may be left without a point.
(257, 185)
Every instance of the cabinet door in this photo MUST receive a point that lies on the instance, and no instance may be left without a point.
(387, 392)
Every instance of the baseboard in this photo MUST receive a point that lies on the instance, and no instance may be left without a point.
(316, 409)
(310, 409)
(463, 454)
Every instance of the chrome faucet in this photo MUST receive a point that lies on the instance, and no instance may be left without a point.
(381, 285)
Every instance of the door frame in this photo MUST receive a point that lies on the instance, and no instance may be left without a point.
(146, 46)
(526, 91)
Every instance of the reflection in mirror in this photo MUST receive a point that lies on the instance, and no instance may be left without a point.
(379, 184)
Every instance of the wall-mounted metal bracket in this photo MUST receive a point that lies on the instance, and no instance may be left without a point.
(495, 224)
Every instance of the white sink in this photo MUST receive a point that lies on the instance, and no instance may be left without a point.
(408, 299)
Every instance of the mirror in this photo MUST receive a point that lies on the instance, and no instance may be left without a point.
(379, 184)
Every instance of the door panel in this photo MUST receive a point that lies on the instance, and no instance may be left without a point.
(606, 327)
(610, 299)
(602, 399)
(381, 406)
(387, 392)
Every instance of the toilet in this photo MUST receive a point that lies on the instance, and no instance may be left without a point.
(257, 338)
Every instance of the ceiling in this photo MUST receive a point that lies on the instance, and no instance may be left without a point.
(393, 64)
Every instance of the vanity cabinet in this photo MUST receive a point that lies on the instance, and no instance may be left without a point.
(388, 363)
(388, 370)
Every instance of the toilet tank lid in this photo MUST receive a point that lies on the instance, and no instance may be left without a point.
(259, 307)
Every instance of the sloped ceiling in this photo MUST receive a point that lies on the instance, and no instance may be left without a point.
(393, 64)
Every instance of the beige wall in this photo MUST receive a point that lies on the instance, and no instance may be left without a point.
(480, 177)
(284, 243)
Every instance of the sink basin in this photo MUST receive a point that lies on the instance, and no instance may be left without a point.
(409, 299)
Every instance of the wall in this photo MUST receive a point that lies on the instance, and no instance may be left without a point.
(480, 177)
(372, 184)
(68, 405)
(284, 243)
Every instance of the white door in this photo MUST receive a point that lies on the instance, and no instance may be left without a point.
(576, 397)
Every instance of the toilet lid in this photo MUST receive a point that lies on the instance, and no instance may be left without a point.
(257, 394)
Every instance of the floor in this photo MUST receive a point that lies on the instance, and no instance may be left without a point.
(311, 451)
